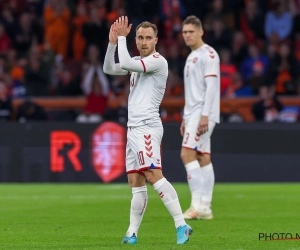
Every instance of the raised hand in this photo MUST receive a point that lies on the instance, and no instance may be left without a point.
(113, 37)
(122, 27)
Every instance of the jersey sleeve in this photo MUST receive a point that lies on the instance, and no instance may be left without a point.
(211, 64)
(109, 66)
(151, 63)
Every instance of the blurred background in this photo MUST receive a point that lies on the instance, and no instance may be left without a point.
(51, 55)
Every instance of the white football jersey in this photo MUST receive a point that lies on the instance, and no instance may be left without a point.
(201, 63)
(147, 82)
(147, 90)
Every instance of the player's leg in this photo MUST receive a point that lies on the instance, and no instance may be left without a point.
(208, 176)
(190, 144)
(151, 165)
(170, 199)
(207, 185)
(139, 201)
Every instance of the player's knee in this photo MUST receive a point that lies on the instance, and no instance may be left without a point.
(204, 159)
(187, 155)
(153, 175)
(136, 180)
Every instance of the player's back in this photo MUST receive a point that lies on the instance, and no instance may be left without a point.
(147, 90)
(201, 63)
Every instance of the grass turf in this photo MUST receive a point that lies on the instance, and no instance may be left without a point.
(95, 216)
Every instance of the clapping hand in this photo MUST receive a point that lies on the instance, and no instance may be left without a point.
(122, 27)
(113, 37)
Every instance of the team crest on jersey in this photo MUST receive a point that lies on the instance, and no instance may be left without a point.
(195, 59)
(156, 55)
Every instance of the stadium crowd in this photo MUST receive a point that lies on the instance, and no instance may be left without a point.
(56, 48)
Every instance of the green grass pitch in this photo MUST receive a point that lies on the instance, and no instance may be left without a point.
(96, 216)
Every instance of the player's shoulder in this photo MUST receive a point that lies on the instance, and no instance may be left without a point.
(208, 52)
(156, 57)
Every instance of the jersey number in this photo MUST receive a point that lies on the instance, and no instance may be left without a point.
(186, 138)
(141, 158)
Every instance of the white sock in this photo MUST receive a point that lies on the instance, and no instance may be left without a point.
(169, 197)
(138, 206)
(194, 178)
(207, 185)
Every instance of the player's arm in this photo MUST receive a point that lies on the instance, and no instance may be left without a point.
(131, 64)
(211, 83)
(126, 62)
(109, 66)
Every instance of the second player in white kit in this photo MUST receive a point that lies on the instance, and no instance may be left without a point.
(201, 113)
(200, 64)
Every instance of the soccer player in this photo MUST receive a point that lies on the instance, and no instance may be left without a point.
(149, 74)
(201, 113)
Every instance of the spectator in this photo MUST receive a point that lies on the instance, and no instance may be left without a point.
(95, 67)
(35, 8)
(117, 9)
(29, 111)
(237, 88)
(57, 17)
(96, 91)
(278, 21)
(37, 74)
(68, 84)
(95, 87)
(239, 49)
(26, 34)
(283, 69)
(251, 20)
(217, 11)
(11, 57)
(258, 77)
(9, 22)
(78, 40)
(169, 8)
(219, 37)
(18, 89)
(5, 103)
(269, 107)
(95, 31)
(227, 69)
(247, 68)
(5, 42)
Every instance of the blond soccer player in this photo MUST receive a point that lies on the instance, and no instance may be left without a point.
(201, 113)
(149, 74)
